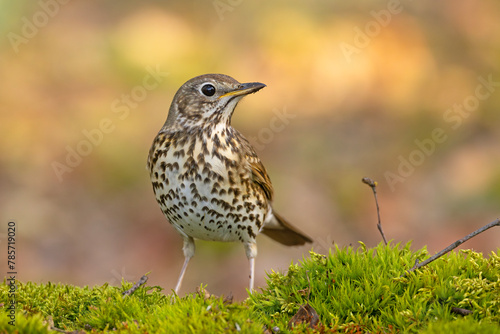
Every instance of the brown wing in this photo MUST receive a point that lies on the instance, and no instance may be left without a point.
(258, 172)
(260, 177)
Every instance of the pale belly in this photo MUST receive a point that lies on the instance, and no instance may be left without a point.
(205, 200)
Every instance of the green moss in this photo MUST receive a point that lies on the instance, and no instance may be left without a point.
(352, 290)
(103, 308)
(364, 289)
(462, 326)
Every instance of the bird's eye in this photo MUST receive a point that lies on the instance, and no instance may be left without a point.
(208, 90)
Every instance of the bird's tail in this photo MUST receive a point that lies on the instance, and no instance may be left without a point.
(278, 229)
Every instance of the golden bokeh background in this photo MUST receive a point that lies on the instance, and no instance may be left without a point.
(405, 92)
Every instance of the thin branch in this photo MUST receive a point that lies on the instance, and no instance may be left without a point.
(136, 286)
(454, 245)
(373, 185)
(53, 328)
(461, 311)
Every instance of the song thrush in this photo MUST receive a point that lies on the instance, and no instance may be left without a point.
(207, 178)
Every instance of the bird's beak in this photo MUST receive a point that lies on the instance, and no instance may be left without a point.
(245, 89)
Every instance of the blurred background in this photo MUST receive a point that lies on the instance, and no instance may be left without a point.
(406, 93)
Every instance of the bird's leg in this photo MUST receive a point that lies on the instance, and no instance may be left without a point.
(188, 249)
(251, 251)
(252, 272)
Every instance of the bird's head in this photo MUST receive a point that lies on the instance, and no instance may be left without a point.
(207, 100)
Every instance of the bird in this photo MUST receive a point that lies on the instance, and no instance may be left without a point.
(207, 178)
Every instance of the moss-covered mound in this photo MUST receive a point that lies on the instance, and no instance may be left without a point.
(347, 291)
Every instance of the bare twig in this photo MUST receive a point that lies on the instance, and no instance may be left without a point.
(373, 185)
(136, 286)
(454, 245)
(53, 328)
(228, 299)
(461, 311)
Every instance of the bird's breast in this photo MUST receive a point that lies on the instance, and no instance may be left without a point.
(205, 190)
